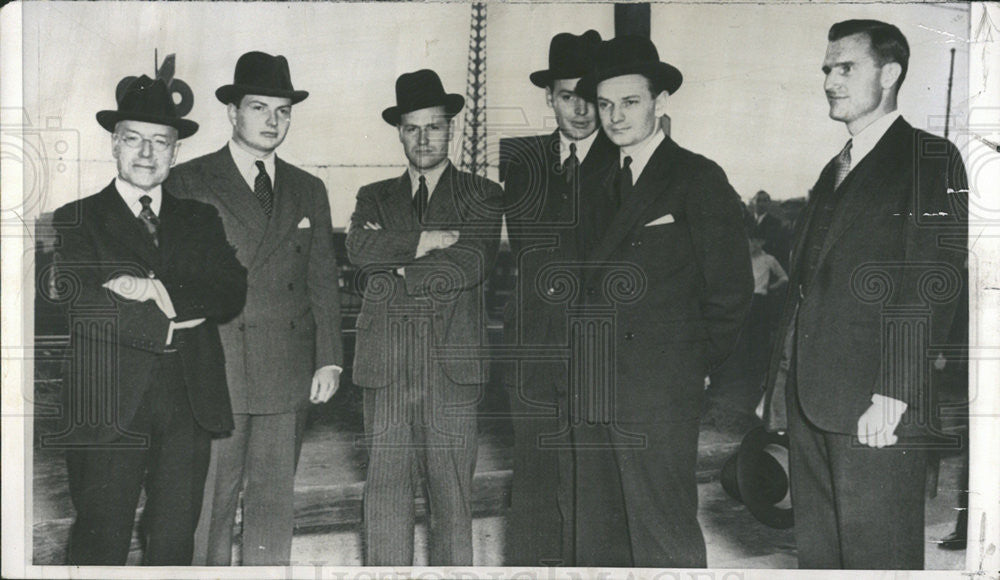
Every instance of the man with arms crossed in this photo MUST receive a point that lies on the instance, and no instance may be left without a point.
(884, 221)
(671, 262)
(425, 241)
(284, 349)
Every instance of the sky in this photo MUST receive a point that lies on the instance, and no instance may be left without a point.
(752, 97)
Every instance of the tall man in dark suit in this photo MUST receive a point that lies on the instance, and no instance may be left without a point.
(425, 241)
(153, 275)
(284, 349)
(875, 279)
(671, 267)
(542, 178)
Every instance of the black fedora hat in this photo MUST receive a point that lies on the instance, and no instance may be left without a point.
(420, 90)
(762, 477)
(259, 73)
(148, 101)
(570, 57)
(625, 55)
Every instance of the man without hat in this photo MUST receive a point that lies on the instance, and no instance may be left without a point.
(544, 177)
(885, 218)
(153, 276)
(425, 242)
(283, 351)
(671, 262)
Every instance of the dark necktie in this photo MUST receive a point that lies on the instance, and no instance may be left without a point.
(842, 164)
(571, 164)
(149, 219)
(420, 199)
(262, 188)
(624, 183)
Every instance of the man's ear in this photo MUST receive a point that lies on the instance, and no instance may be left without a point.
(548, 97)
(660, 103)
(231, 113)
(890, 73)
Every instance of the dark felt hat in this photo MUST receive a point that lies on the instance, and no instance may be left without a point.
(259, 73)
(148, 101)
(625, 55)
(570, 57)
(420, 90)
(762, 477)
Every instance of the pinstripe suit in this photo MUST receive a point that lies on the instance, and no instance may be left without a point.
(419, 408)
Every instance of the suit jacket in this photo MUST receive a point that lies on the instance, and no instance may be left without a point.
(441, 293)
(892, 261)
(291, 323)
(680, 290)
(543, 217)
(115, 342)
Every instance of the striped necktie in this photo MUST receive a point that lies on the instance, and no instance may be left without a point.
(262, 188)
(842, 164)
(149, 219)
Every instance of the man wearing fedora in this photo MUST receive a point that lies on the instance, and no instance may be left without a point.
(152, 276)
(850, 370)
(283, 351)
(425, 242)
(672, 226)
(543, 178)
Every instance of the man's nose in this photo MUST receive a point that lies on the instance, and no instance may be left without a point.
(831, 81)
(272, 119)
(616, 115)
(580, 106)
(423, 137)
(146, 149)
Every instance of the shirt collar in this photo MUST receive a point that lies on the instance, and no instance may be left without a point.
(863, 143)
(582, 146)
(130, 194)
(246, 162)
(641, 153)
(431, 175)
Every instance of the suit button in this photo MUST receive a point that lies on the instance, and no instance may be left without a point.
(151, 274)
(639, 243)
(292, 323)
(629, 336)
(550, 291)
(291, 286)
(242, 327)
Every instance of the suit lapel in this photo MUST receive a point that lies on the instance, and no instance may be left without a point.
(396, 205)
(648, 188)
(442, 209)
(864, 184)
(125, 229)
(168, 232)
(232, 193)
(284, 212)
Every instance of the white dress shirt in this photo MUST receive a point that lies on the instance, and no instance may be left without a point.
(641, 152)
(246, 162)
(866, 139)
(130, 194)
(582, 146)
(432, 176)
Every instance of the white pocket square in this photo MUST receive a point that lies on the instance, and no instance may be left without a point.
(304, 223)
(663, 219)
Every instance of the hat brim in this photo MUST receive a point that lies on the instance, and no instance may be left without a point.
(665, 77)
(543, 79)
(452, 104)
(233, 93)
(763, 479)
(185, 127)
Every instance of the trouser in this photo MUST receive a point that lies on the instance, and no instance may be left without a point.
(540, 524)
(261, 453)
(105, 483)
(426, 424)
(637, 502)
(855, 507)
